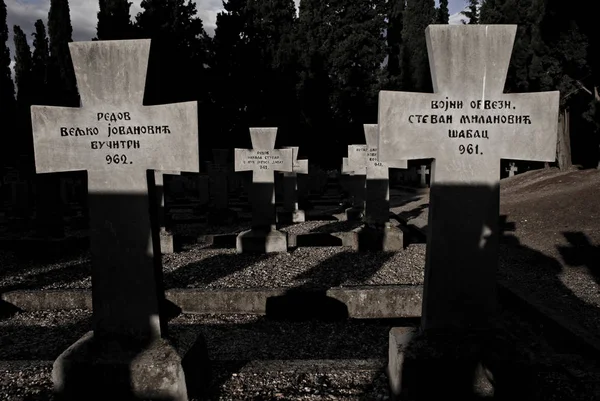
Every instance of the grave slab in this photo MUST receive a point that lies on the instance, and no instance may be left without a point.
(467, 126)
(119, 142)
(263, 160)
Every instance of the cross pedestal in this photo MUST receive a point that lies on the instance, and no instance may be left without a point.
(467, 125)
(263, 160)
(118, 141)
(291, 212)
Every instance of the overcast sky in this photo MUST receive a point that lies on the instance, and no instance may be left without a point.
(84, 15)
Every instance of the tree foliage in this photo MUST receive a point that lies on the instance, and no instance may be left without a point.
(442, 13)
(62, 76)
(114, 20)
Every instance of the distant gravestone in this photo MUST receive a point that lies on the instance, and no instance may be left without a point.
(512, 169)
(164, 230)
(467, 125)
(377, 234)
(263, 160)
(291, 211)
(119, 141)
(357, 184)
(423, 171)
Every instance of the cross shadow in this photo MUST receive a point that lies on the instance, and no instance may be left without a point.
(581, 253)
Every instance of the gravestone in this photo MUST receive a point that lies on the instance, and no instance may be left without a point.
(164, 227)
(357, 184)
(377, 234)
(291, 211)
(467, 125)
(263, 160)
(423, 171)
(119, 141)
(512, 169)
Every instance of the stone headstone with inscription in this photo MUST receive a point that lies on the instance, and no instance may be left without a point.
(119, 141)
(467, 126)
(377, 233)
(357, 184)
(263, 160)
(291, 211)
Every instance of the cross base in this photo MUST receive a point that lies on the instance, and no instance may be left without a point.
(167, 241)
(385, 238)
(466, 364)
(291, 216)
(93, 369)
(258, 240)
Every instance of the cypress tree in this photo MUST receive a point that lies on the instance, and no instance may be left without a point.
(417, 16)
(114, 20)
(394, 44)
(7, 89)
(39, 68)
(23, 69)
(442, 13)
(60, 32)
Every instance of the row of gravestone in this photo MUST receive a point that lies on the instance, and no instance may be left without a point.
(467, 125)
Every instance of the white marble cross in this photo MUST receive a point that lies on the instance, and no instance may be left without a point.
(467, 125)
(423, 171)
(117, 140)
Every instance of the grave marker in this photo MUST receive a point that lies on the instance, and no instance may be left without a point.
(119, 141)
(166, 236)
(467, 125)
(263, 160)
(377, 234)
(423, 172)
(291, 211)
(512, 169)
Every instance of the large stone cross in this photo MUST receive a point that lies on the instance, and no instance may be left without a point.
(118, 141)
(263, 160)
(467, 125)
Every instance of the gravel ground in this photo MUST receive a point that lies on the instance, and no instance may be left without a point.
(254, 358)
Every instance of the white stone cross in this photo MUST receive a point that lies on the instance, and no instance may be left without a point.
(512, 169)
(467, 125)
(423, 171)
(117, 140)
(263, 160)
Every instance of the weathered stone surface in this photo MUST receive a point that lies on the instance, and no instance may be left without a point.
(113, 370)
(467, 125)
(119, 141)
(400, 338)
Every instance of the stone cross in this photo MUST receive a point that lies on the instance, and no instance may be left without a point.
(467, 125)
(263, 160)
(362, 159)
(290, 186)
(423, 171)
(512, 169)
(118, 140)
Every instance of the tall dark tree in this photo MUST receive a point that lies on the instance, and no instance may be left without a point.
(442, 13)
(7, 89)
(39, 68)
(23, 79)
(62, 75)
(491, 12)
(417, 16)
(114, 20)
(395, 22)
(472, 12)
